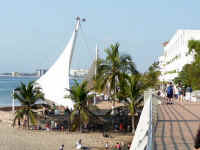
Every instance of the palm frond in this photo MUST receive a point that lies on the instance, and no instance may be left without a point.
(84, 116)
(73, 114)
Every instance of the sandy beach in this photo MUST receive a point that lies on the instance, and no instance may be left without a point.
(20, 139)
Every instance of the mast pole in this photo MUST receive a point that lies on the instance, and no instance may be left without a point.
(96, 60)
(95, 71)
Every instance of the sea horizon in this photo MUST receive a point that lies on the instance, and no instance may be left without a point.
(9, 83)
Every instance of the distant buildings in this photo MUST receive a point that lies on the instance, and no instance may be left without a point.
(15, 74)
(40, 72)
(176, 53)
(78, 72)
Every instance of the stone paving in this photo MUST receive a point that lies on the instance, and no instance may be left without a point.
(177, 126)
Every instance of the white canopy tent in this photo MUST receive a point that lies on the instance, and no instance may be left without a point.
(56, 80)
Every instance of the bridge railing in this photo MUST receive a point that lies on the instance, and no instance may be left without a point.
(144, 135)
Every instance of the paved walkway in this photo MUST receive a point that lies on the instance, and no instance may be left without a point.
(177, 126)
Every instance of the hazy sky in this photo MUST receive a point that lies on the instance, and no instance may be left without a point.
(33, 33)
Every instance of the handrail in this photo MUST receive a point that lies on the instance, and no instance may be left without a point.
(144, 134)
(150, 131)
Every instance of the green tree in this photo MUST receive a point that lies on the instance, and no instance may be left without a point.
(151, 77)
(190, 72)
(194, 48)
(131, 91)
(27, 96)
(109, 71)
(79, 94)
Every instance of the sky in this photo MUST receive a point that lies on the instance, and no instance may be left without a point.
(34, 33)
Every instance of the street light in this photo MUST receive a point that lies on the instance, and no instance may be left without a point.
(13, 101)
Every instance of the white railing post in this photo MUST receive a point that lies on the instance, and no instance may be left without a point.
(148, 94)
(144, 134)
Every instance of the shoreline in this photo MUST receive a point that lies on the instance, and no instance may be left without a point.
(9, 76)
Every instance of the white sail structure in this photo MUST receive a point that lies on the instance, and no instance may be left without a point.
(56, 80)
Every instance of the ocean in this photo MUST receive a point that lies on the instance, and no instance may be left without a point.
(8, 84)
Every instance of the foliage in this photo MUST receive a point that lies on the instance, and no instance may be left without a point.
(151, 78)
(191, 72)
(189, 76)
(27, 96)
(131, 89)
(111, 70)
(80, 95)
(194, 47)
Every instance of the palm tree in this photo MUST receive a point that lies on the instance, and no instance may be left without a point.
(131, 89)
(151, 77)
(27, 96)
(79, 94)
(110, 70)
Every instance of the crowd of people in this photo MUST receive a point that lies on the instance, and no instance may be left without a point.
(176, 93)
(118, 146)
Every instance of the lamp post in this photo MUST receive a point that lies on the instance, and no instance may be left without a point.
(13, 101)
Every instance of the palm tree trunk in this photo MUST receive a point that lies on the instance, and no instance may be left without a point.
(133, 124)
(115, 91)
(69, 122)
(113, 104)
(80, 129)
(28, 121)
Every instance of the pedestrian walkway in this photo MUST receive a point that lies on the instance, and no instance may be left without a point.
(177, 126)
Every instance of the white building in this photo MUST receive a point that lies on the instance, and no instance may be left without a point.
(15, 74)
(40, 72)
(78, 72)
(176, 53)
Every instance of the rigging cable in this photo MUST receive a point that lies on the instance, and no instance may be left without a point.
(86, 44)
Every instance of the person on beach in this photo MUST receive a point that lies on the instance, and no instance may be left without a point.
(61, 147)
(45, 112)
(54, 108)
(106, 146)
(170, 92)
(78, 144)
(19, 123)
(121, 128)
(118, 146)
(24, 123)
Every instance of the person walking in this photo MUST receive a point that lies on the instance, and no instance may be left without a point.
(188, 93)
(170, 92)
(180, 93)
(176, 92)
